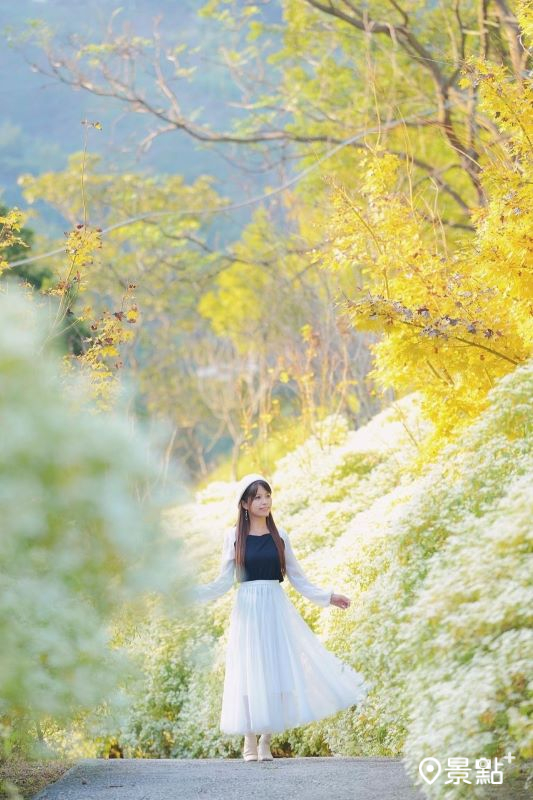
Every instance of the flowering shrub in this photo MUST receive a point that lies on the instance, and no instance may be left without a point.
(78, 543)
(441, 614)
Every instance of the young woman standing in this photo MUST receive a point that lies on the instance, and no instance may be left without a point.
(278, 673)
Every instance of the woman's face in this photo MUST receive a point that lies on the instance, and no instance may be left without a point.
(261, 504)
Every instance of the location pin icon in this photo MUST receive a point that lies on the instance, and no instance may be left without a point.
(430, 769)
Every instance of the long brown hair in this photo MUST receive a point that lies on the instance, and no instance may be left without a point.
(243, 529)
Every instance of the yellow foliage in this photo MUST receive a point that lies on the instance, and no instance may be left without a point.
(102, 358)
(82, 242)
(10, 225)
(453, 322)
(524, 14)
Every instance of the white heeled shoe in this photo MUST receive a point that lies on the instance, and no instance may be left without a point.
(263, 751)
(249, 752)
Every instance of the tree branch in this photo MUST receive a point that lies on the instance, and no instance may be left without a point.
(416, 51)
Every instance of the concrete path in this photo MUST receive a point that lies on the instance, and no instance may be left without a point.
(234, 779)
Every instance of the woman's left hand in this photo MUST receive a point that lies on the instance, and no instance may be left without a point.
(340, 600)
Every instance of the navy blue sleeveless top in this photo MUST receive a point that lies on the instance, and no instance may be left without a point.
(261, 559)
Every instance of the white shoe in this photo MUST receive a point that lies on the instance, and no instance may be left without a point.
(263, 752)
(249, 752)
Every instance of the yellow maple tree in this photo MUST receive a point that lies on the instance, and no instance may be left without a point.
(454, 321)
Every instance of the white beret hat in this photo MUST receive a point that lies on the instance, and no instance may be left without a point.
(244, 484)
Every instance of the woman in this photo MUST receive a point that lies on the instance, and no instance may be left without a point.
(278, 673)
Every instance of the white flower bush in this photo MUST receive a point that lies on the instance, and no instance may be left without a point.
(78, 546)
(442, 593)
(469, 634)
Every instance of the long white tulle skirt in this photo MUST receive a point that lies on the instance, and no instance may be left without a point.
(278, 673)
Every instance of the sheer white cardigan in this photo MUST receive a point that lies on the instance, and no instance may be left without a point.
(224, 581)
